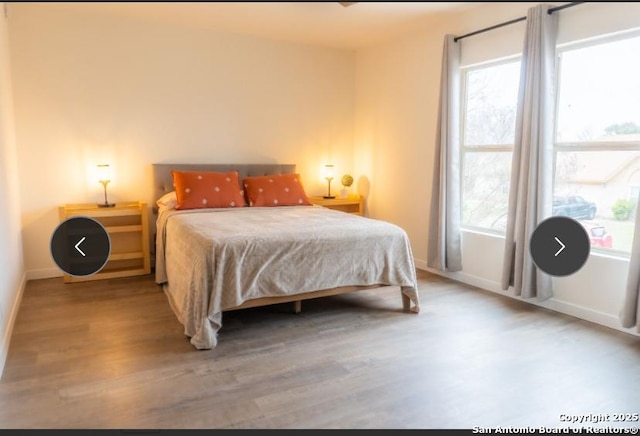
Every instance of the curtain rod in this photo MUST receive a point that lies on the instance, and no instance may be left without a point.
(515, 20)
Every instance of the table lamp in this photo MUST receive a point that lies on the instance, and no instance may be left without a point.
(328, 175)
(104, 177)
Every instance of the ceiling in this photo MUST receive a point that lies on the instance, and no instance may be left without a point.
(320, 23)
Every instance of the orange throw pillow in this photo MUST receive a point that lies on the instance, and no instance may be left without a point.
(275, 190)
(207, 189)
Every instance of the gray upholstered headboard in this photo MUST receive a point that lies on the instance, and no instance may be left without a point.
(163, 182)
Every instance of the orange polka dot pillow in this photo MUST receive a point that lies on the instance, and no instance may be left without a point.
(276, 190)
(207, 189)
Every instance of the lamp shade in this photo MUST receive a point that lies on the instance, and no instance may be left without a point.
(329, 172)
(104, 173)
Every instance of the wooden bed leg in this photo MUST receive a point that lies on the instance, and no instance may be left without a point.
(297, 306)
(406, 303)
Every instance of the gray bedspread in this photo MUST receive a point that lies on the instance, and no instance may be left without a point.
(210, 260)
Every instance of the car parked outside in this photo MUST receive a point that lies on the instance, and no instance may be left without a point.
(598, 235)
(574, 206)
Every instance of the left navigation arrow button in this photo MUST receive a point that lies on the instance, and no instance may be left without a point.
(80, 246)
(80, 242)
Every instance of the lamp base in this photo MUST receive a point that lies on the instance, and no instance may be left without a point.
(329, 197)
(106, 204)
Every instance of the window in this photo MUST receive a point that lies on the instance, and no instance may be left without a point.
(597, 146)
(489, 115)
(598, 138)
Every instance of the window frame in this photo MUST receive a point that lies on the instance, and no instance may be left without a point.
(558, 146)
(586, 146)
(475, 148)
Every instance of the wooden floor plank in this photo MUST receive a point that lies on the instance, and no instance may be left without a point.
(111, 354)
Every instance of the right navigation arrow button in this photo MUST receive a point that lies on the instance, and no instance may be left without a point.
(561, 246)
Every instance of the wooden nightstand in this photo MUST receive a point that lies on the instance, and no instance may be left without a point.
(128, 229)
(352, 204)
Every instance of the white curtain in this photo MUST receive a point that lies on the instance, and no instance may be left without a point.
(630, 313)
(444, 250)
(531, 190)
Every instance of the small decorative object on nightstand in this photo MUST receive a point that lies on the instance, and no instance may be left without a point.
(128, 229)
(347, 181)
(352, 204)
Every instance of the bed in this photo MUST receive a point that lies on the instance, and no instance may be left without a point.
(214, 260)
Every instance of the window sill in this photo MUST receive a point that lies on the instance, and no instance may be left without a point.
(614, 255)
(484, 232)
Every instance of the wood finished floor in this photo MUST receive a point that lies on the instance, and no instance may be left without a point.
(111, 354)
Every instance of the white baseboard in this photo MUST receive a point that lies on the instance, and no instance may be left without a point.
(46, 273)
(6, 339)
(581, 312)
(601, 318)
(420, 264)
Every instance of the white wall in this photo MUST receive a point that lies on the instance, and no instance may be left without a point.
(98, 88)
(397, 91)
(12, 278)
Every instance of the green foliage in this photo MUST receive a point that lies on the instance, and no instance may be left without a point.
(622, 209)
(627, 128)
